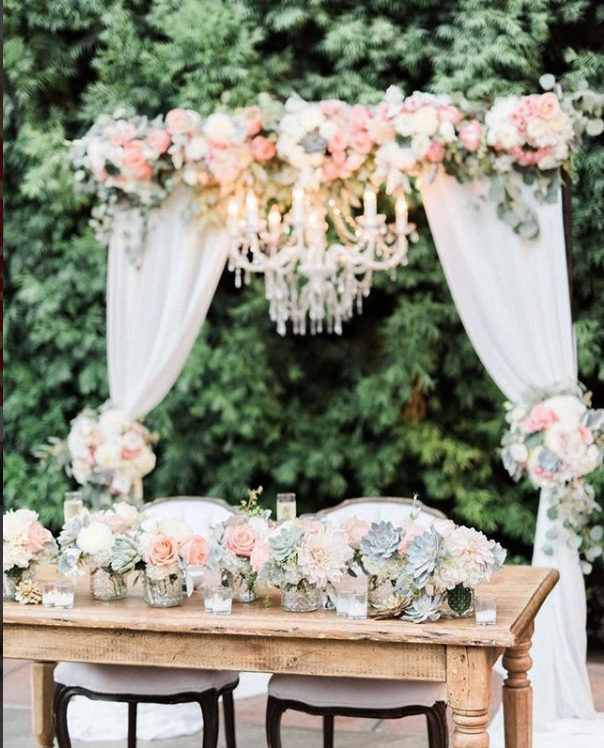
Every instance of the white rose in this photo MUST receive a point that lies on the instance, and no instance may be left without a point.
(311, 117)
(539, 133)
(17, 522)
(405, 124)
(175, 528)
(196, 148)
(290, 127)
(219, 127)
(420, 146)
(113, 422)
(144, 462)
(15, 555)
(518, 452)
(426, 120)
(97, 155)
(108, 456)
(509, 137)
(133, 440)
(446, 130)
(328, 129)
(128, 512)
(588, 461)
(95, 539)
(568, 408)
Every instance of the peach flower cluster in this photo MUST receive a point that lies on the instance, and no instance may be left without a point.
(24, 540)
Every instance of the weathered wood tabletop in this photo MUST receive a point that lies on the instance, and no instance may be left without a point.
(257, 637)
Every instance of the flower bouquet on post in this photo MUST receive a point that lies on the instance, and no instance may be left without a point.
(301, 557)
(89, 542)
(233, 545)
(25, 543)
(162, 550)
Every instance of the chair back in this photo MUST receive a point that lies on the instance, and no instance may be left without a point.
(381, 508)
(201, 513)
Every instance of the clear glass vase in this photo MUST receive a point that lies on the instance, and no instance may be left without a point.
(107, 585)
(458, 603)
(162, 588)
(296, 599)
(11, 580)
(244, 590)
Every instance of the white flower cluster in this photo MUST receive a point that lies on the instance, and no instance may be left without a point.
(24, 540)
(111, 450)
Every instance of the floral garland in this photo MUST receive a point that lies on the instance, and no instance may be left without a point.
(556, 442)
(335, 149)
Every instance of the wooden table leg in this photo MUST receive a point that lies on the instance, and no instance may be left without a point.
(469, 693)
(42, 691)
(518, 694)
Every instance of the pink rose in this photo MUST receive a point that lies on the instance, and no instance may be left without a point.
(436, 153)
(361, 142)
(196, 551)
(540, 418)
(339, 141)
(470, 135)
(241, 540)
(360, 117)
(262, 148)
(37, 537)
(124, 135)
(253, 121)
(331, 170)
(414, 530)
(412, 104)
(177, 121)
(586, 434)
(529, 106)
(159, 140)
(162, 551)
(448, 113)
(548, 105)
(260, 555)
(356, 529)
(331, 107)
(315, 527)
(134, 156)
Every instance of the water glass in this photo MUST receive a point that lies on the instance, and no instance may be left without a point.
(356, 604)
(72, 505)
(58, 594)
(486, 611)
(221, 600)
(286, 506)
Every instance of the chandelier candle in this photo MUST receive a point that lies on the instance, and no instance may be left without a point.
(370, 207)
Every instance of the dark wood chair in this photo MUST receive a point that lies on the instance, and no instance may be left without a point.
(138, 685)
(329, 697)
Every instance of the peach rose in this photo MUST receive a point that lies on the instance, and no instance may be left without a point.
(356, 529)
(162, 551)
(134, 156)
(331, 170)
(262, 148)
(470, 135)
(448, 113)
(540, 418)
(177, 121)
(338, 141)
(241, 540)
(37, 537)
(196, 551)
(548, 105)
(360, 117)
(436, 153)
(361, 142)
(253, 121)
(331, 107)
(159, 140)
(260, 555)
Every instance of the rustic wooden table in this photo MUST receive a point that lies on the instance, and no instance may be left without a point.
(264, 638)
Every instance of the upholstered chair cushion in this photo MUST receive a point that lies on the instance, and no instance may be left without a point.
(143, 681)
(201, 515)
(355, 693)
(376, 511)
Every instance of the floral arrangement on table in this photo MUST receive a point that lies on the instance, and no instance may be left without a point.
(557, 442)
(421, 573)
(331, 144)
(25, 543)
(107, 453)
(232, 545)
(301, 557)
(162, 550)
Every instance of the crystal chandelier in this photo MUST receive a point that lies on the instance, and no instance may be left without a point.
(307, 277)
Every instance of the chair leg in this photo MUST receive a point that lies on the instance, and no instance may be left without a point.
(228, 707)
(61, 702)
(328, 721)
(274, 713)
(438, 730)
(132, 708)
(208, 701)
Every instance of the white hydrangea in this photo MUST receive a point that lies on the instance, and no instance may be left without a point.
(95, 539)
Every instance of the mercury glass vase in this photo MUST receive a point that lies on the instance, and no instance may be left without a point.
(243, 590)
(458, 602)
(106, 585)
(162, 588)
(11, 580)
(296, 599)
(382, 596)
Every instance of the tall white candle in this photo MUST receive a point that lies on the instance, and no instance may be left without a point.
(233, 213)
(370, 206)
(298, 205)
(400, 210)
(274, 220)
(251, 204)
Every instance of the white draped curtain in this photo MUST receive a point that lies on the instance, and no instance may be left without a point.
(513, 299)
(155, 310)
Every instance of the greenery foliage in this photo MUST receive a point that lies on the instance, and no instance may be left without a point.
(400, 403)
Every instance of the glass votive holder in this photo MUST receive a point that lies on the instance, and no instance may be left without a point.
(342, 603)
(486, 611)
(286, 506)
(356, 604)
(73, 504)
(221, 600)
(58, 594)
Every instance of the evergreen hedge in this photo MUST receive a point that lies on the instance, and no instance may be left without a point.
(400, 403)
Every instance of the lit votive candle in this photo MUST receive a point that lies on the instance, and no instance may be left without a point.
(221, 600)
(286, 506)
(72, 505)
(356, 604)
(486, 611)
(58, 594)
